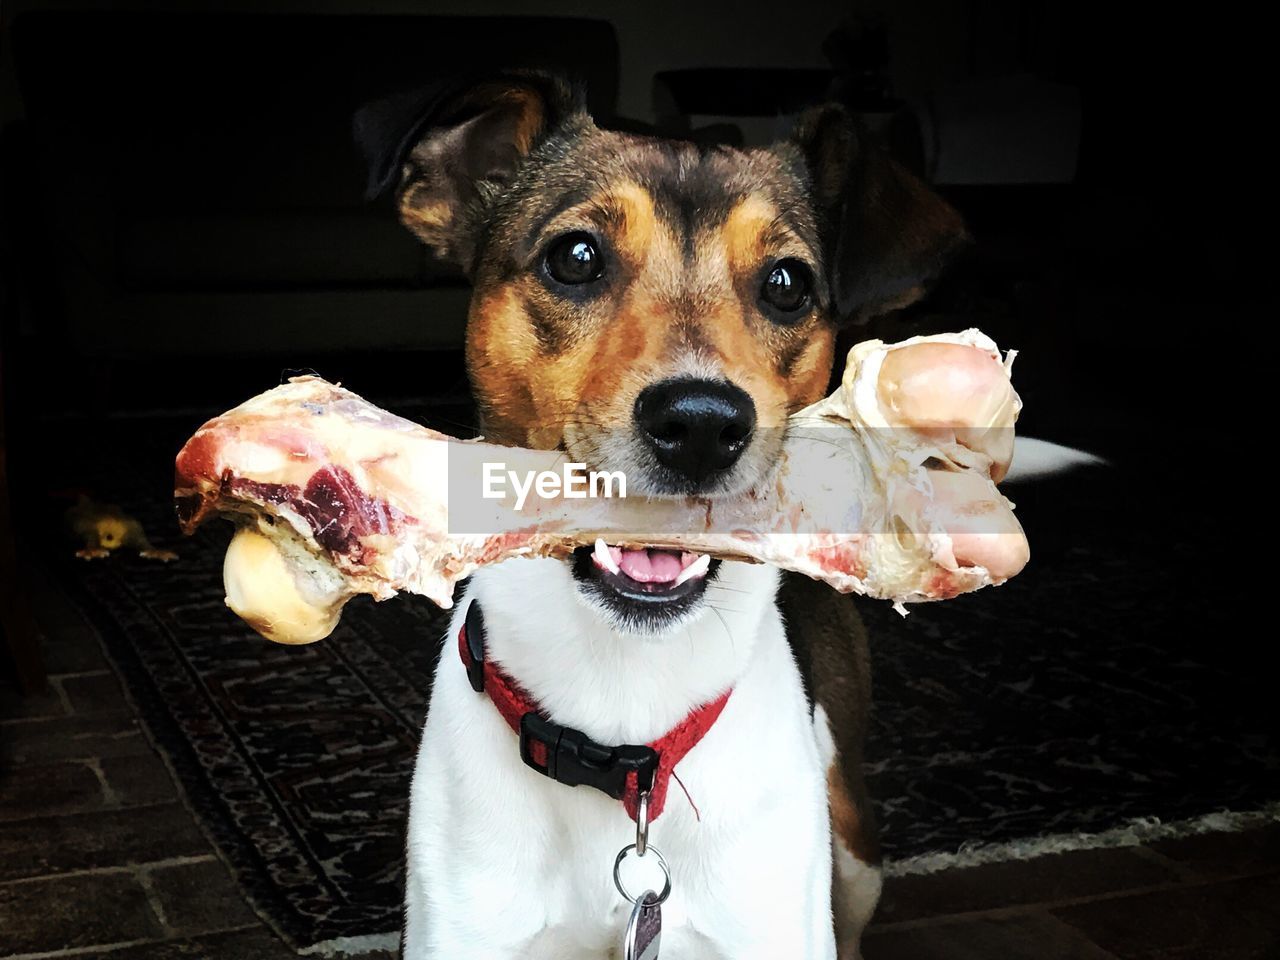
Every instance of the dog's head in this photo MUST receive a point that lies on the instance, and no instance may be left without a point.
(649, 305)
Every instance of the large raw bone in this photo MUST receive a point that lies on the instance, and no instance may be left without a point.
(885, 488)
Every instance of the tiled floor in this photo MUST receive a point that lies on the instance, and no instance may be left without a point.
(98, 856)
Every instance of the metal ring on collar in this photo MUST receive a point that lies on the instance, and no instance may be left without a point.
(642, 824)
(617, 874)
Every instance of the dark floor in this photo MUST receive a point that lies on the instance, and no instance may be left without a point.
(99, 856)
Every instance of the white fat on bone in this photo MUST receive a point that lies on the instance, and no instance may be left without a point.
(885, 488)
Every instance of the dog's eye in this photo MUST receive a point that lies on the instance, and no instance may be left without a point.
(574, 259)
(787, 287)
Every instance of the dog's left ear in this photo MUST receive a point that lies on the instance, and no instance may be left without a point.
(448, 148)
(886, 233)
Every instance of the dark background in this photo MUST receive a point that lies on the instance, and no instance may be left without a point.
(184, 218)
(183, 222)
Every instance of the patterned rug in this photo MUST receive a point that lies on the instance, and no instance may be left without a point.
(1107, 683)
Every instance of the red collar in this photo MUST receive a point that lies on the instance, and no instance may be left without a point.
(569, 756)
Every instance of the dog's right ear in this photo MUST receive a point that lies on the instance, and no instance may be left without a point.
(887, 235)
(448, 149)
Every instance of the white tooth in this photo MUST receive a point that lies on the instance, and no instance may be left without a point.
(604, 557)
(698, 568)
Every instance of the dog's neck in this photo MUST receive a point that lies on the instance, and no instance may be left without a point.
(614, 686)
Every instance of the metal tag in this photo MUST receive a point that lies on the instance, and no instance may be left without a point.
(644, 929)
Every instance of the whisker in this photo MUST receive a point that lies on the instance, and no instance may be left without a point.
(723, 623)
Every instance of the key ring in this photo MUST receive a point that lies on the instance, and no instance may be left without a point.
(666, 874)
(642, 824)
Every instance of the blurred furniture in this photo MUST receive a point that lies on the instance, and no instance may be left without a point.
(196, 184)
(753, 106)
(1000, 131)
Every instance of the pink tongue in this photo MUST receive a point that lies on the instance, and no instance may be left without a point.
(650, 566)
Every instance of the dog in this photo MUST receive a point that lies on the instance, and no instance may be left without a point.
(656, 307)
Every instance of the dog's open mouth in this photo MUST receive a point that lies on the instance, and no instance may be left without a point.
(646, 586)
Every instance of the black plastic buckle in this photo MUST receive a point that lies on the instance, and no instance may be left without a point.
(473, 624)
(575, 759)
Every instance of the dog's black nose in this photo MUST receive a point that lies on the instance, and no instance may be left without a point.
(695, 427)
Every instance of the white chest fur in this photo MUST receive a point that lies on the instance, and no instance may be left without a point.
(504, 863)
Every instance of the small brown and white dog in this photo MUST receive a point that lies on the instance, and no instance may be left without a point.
(659, 308)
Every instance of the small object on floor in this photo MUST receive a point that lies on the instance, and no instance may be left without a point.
(103, 528)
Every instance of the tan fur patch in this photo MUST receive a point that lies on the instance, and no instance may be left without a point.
(811, 371)
(637, 221)
(596, 381)
(752, 234)
(620, 345)
(746, 231)
(748, 360)
(530, 119)
(424, 217)
(500, 343)
(846, 820)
